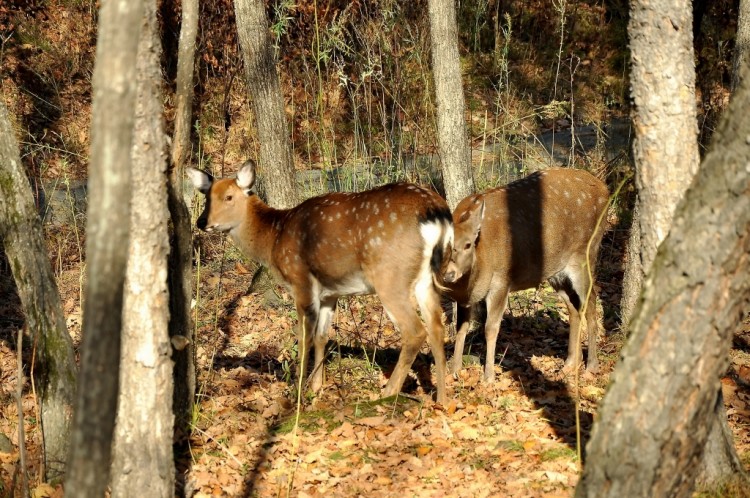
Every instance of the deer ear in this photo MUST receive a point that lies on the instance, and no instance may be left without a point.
(474, 216)
(200, 179)
(246, 176)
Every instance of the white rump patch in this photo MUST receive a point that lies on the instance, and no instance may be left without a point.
(433, 233)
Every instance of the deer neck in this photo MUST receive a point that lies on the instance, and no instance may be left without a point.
(257, 235)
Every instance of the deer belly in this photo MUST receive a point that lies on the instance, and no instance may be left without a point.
(351, 285)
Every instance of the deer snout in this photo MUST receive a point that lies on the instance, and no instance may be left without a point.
(450, 276)
(202, 223)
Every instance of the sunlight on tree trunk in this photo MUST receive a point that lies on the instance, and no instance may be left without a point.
(455, 155)
(665, 149)
(276, 162)
(108, 221)
(143, 464)
(656, 418)
(742, 42)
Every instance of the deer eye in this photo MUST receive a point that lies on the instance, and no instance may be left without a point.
(228, 198)
(467, 246)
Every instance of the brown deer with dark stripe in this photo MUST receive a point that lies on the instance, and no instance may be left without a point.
(547, 226)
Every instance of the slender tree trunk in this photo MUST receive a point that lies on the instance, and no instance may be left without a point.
(655, 421)
(21, 234)
(632, 280)
(446, 69)
(143, 462)
(666, 132)
(268, 104)
(180, 256)
(184, 92)
(741, 42)
(720, 459)
(108, 220)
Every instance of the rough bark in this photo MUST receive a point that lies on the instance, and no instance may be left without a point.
(276, 160)
(741, 41)
(143, 464)
(665, 149)
(184, 84)
(22, 237)
(180, 256)
(453, 142)
(107, 227)
(720, 459)
(655, 420)
(632, 280)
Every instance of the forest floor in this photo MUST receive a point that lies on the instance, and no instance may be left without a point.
(517, 437)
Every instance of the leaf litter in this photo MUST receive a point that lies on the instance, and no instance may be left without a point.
(516, 437)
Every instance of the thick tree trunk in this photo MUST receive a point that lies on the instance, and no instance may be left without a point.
(143, 463)
(276, 160)
(654, 422)
(180, 256)
(449, 93)
(108, 221)
(665, 149)
(741, 42)
(21, 233)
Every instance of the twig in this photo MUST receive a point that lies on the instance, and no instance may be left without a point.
(590, 289)
(43, 460)
(19, 401)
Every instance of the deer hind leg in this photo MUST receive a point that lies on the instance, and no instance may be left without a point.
(582, 284)
(428, 300)
(592, 325)
(564, 283)
(402, 312)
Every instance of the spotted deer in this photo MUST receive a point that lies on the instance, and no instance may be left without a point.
(515, 237)
(389, 241)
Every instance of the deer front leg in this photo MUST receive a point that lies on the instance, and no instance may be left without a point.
(463, 322)
(307, 314)
(496, 302)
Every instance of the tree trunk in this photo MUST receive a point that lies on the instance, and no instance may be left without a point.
(143, 462)
(665, 149)
(655, 420)
(180, 256)
(268, 104)
(720, 458)
(184, 92)
(741, 42)
(55, 369)
(449, 93)
(108, 220)
(632, 280)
